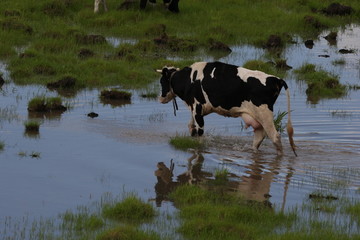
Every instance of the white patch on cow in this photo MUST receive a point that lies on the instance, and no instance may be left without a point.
(244, 74)
(199, 67)
(212, 73)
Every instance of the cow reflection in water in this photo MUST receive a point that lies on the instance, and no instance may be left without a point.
(254, 185)
(165, 175)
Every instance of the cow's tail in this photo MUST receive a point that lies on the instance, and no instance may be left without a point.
(289, 127)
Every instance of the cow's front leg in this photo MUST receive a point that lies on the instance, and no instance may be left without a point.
(105, 7)
(259, 135)
(199, 119)
(191, 125)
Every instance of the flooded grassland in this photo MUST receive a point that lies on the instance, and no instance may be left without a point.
(75, 159)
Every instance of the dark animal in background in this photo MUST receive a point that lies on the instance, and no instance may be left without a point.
(231, 91)
(172, 5)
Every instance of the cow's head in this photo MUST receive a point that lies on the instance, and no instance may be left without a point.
(167, 93)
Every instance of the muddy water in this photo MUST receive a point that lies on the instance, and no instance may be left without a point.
(75, 159)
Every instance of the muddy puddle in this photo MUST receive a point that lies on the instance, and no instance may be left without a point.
(75, 159)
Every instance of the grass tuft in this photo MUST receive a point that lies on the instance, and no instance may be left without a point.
(2, 146)
(126, 233)
(186, 142)
(130, 209)
(321, 84)
(46, 104)
(32, 126)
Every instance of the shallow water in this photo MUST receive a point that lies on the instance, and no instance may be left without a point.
(80, 158)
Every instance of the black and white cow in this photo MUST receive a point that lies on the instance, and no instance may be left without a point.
(97, 5)
(230, 91)
(172, 5)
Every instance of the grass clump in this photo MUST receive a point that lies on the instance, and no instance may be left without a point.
(354, 211)
(206, 215)
(321, 84)
(46, 104)
(114, 94)
(130, 209)
(32, 126)
(2, 146)
(126, 233)
(81, 222)
(278, 121)
(186, 142)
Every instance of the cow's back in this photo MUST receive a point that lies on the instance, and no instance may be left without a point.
(228, 86)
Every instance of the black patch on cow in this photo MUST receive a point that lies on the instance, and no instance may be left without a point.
(185, 88)
(198, 116)
(227, 90)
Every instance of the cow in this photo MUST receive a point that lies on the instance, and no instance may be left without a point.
(231, 91)
(172, 5)
(97, 3)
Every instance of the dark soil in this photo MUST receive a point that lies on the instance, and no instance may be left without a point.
(315, 23)
(90, 39)
(85, 53)
(336, 9)
(65, 83)
(115, 95)
(309, 43)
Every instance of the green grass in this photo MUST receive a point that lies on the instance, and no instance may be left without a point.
(203, 213)
(186, 142)
(45, 104)
(42, 40)
(206, 215)
(321, 84)
(130, 209)
(127, 233)
(32, 126)
(278, 118)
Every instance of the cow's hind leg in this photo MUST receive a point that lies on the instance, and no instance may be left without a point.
(266, 118)
(199, 120)
(96, 6)
(259, 135)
